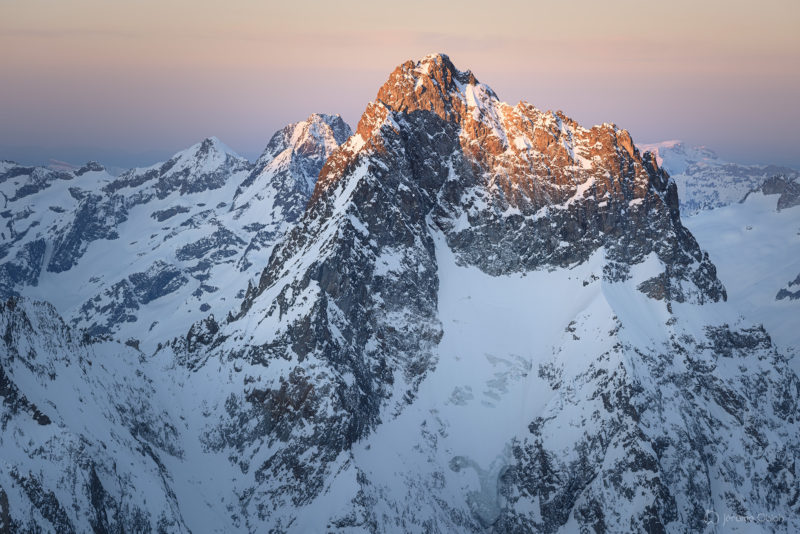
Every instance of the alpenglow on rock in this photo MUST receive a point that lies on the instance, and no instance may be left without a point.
(486, 319)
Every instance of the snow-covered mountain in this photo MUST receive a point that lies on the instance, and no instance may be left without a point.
(486, 318)
(756, 246)
(742, 215)
(83, 432)
(705, 181)
(144, 255)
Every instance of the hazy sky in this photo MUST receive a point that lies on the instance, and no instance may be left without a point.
(132, 82)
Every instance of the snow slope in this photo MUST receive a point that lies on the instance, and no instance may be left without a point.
(144, 255)
(705, 181)
(756, 249)
(487, 318)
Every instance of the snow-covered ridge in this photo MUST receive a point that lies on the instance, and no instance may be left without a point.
(204, 166)
(358, 293)
(704, 180)
(144, 255)
(84, 434)
(487, 319)
(295, 155)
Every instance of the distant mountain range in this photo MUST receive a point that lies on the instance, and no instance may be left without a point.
(142, 256)
(465, 316)
(704, 181)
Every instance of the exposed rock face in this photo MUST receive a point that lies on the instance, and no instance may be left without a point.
(95, 218)
(651, 441)
(789, 291)
(486, 319)
(526, 189)
(94, 461)
(705, 181)
(350, 296)
(158, 238)
(283, 179)
(787, 188)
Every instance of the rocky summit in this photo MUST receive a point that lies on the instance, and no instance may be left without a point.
(466, 316)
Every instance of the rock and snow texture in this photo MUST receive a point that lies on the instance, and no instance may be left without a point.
(486, 319)
(756, 247)
(748, 218)
(275, 193)
(144, 255)
(706, 182)
(84, 436)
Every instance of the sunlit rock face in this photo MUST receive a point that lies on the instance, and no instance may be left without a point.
(515, 188)
(486, 318)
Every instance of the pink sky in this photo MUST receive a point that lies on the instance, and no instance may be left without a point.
(92, 78)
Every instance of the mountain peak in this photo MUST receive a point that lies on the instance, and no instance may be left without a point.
(326, 118)
(292, 160)
(317, 129)
(202, 166)
(211, 145)
(437, 65)
(432, 83)
(531, 155)
(540, 166)
(317, 132)
(203, 157)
